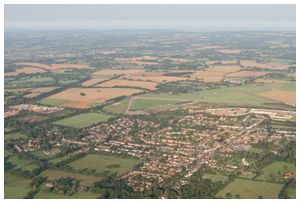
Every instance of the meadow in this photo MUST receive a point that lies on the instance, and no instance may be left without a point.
(249, 189)
(276, 169)
(215, 177)
(139, 104)
(83, 120)
(15, 187)
(118, 107)
(102, 163)
(85, 180)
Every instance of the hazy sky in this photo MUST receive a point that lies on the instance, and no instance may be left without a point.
(183, 17)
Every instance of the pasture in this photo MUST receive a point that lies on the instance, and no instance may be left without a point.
(13, 136)
(15, 187)
(23, 164)
(118, 107)
(148, 103)
(85, 180)
(83, 120)
(102, 163)
(42, 194)
(275, 171)
(249, 189)
(215, 177)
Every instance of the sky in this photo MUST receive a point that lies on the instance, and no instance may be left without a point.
(177, 17)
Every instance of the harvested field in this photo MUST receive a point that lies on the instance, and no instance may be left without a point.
(56, 66)
(176, 60)
(209, 63)
(270, 66)
(247, 74)
(87, 97)
(158, 79)
(229, 51)
(38, 91)
(39, 65)
(128, 83)
(280, 95)
(145, 60)
(215, 73)
(93, 81)
(118, 72)
(26, 70)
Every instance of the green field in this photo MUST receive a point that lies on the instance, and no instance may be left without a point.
(15, 187)
(101, 163)
(59, 159)
(23, 164)
(66, 82)
(291, 192)
(117, 108)
(215, 178)
(276, 169)
(139, 104)
(289, 87)
(255, 150)
(42, 194)
(41, 155)
(245, 94)
(53, 102)
(14, 136)
(83, 120)
(249, 189)
(86, 180)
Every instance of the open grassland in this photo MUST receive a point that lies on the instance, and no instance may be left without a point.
(86, 180)
(38, 91)
(102, 163)
(118, 107)
(266, 80)
(59, 159)
(215, 178)
(83, 120)
(43, 194)
(87, 97)
(291, 192)
(128, 83)
(249, 189)
(276, 171)
(23, 164)
(15, 187)
(53, 102)
(256, 150)
(246, 94)
(139, 103)
(41, 155)
(13, 136)
(230, 51)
